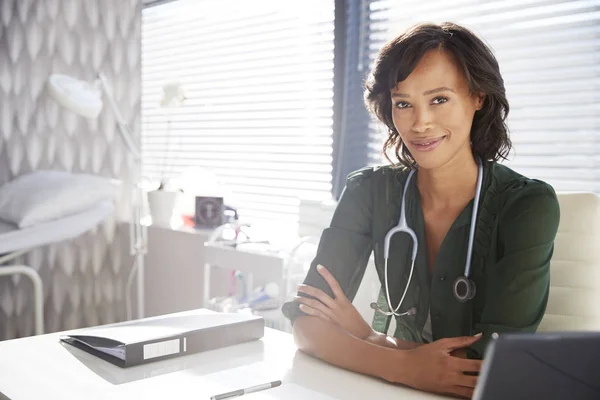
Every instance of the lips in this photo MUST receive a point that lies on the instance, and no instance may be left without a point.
(427, 144)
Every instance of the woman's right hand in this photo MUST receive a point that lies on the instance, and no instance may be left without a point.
(432, 368)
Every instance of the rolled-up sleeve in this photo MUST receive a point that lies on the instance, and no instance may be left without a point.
(517, 286)
(346, 245)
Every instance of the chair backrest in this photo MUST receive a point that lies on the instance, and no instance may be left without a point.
(574, 301)
(314, 216)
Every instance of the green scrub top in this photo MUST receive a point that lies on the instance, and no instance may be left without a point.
(517, 222)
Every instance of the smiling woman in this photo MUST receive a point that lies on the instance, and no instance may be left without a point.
(477, 236)
(462, 71)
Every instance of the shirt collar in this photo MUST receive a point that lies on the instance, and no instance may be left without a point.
(414, 212)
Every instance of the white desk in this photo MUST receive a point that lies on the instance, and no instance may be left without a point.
(41, 367)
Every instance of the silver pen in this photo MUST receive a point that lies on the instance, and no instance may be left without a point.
(241, 392)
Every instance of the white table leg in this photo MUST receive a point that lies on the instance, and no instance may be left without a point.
(38, 291)
(206, 286)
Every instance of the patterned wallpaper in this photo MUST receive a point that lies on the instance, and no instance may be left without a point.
(84, 280)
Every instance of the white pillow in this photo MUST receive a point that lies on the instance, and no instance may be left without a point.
(43, 196)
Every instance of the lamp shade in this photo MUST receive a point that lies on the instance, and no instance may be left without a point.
(78, 96)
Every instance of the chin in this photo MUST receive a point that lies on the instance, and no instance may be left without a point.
(430, 161)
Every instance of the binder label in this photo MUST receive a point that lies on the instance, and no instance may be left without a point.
(161, 349)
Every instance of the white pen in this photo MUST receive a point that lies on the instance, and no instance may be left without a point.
(240, 392)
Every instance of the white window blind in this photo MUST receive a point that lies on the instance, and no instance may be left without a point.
(549, 56)
(258, 77)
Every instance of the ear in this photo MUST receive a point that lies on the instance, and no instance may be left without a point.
(479, 100)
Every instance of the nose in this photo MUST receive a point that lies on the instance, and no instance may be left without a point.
(422, 121)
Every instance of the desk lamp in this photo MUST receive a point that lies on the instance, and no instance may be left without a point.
(85, 99)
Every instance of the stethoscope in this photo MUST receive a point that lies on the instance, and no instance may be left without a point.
(464, 287)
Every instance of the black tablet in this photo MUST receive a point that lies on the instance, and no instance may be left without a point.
(558, 365)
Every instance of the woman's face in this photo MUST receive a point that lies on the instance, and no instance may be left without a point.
(433, 111)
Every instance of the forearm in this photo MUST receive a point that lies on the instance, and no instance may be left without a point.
(338, 347)
(381, 339)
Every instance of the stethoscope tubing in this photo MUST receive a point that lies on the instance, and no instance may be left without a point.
(403, 227)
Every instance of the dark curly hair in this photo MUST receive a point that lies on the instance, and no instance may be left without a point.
(399, 57)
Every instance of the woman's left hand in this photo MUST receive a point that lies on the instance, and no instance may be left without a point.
(338, 310)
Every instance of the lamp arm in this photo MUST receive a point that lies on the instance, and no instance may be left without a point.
(138, 234)
(123, 127)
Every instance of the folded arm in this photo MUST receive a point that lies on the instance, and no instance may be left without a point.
(332, 344)
(430, 367)
(344, 250)
(339, 311)
(329, 327)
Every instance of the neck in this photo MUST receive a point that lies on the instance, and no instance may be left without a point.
(448, 186)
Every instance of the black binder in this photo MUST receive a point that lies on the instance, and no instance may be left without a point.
(173, 335)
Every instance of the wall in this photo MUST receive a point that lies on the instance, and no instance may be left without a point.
(84, 280)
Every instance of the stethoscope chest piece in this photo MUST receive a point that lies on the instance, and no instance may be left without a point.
(464, 289)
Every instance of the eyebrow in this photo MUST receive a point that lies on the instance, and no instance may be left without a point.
(426, 93)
